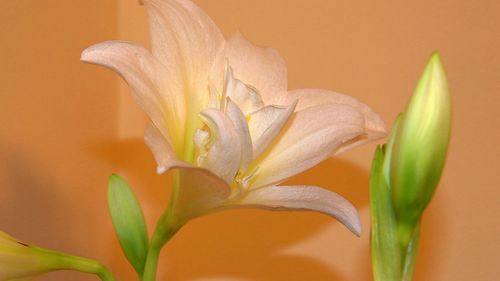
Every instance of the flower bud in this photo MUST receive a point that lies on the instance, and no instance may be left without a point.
(419, 147)
(20, 261)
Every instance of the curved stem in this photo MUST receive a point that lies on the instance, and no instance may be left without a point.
(165, 230)
(64, 261)
(151, 265)
(160, 237)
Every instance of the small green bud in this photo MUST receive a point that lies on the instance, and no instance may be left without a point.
(418, 150)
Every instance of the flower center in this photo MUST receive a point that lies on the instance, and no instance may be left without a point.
(237, 129)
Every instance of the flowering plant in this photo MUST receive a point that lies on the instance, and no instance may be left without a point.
(225, 124)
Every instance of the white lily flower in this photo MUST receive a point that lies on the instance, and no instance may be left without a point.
(221, 114)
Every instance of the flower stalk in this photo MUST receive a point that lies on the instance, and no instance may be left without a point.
(166, 228)
(85, 265)
(160, 237)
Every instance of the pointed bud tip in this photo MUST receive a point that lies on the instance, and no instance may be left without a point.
(435, 57)
(434, 66)
(432, 88)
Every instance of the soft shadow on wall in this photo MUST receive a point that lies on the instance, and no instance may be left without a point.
(250, 245)
(51, 105)
(237, 244)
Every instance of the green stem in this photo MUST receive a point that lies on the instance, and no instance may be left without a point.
(151, 265)
(64, 261)
(166, 227)
(163, 233)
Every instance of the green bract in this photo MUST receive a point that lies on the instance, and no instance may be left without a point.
(129, 223)
(384, 240)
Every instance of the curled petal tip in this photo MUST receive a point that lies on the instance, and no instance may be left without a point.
(83, 55)
(356, 227)
(304, 198)
(90, 53)
(160, 170)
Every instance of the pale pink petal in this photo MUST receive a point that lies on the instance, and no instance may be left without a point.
(162, 149)
(247, 99)
(214, 96)
(183, 35)
(186, 40)
(200, 192)
(262, 68)
(374, 125)
(303, 198)
(241, 127)
(223, 154)
(153, 89)
(310, 137)
(265, 124)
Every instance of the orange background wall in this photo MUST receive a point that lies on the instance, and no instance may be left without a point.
(56, 118)
(65, 126)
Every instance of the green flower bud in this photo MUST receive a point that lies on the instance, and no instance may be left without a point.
(419, 147)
